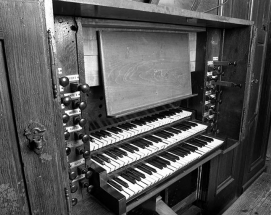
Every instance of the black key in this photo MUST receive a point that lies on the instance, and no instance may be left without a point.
(138, 145)
(167, 133)
(123, 183)
(127, 148)
(176, 152)
(189, 146)
(111, 155)
(192, 123)
(155, 164)
(139, 174)
(156, 138)
(167, 157)
(115, 185)
(116, 129)
(194, 143)
(116, 153)
(161, 135)
(106, 133)
(103, 158)
(172, 156)
(146, 142)
(163, 160)
(151, 139)
(137, 123)
(113, 131)
(158, 163)
(144, 170)
(133, 176)
(189, 124)
(182, 149)
(100, 134)
(148, 168)
(132, 147)
(208, 139)
(173, 131)
(181, 128)
(204, 143)
(95, 135)
(123, 127)
(128, 178)
(121, 151)
(98, 160)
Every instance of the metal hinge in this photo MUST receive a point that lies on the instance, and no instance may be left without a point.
(52, 64)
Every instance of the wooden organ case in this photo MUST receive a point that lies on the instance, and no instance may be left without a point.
(153, 102)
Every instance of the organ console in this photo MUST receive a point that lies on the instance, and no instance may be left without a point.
(149, 121)
(149, 108)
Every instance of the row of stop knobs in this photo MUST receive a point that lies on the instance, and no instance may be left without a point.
(76, 120)
(74, 87)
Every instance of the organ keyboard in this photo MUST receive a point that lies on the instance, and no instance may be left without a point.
(130, 158)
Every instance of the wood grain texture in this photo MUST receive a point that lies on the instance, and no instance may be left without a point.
(129, 10)
(236, 48)
(32, 98)
(13, 199)
(141, 69)
(255, 200)
(241, 9)
(65, 39)
(91, 205)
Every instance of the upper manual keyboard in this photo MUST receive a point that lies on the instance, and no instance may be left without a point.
(126, 130)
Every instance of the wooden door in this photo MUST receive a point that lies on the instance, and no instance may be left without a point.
(13, 197)
(30, 87)
(257, 135)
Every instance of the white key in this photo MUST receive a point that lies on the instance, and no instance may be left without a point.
(103, 166)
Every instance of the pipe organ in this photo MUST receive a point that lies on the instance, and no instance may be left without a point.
(149, 107)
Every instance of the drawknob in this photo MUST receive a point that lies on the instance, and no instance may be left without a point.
(64, 81)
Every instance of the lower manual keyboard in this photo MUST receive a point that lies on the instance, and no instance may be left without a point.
(129, 152)
(139, 177)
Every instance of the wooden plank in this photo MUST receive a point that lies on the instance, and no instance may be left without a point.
(13, 198)
(120, 24)
(255, 200)
(129, 10)
(32, 97)
(164, 209)
(149, 68)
